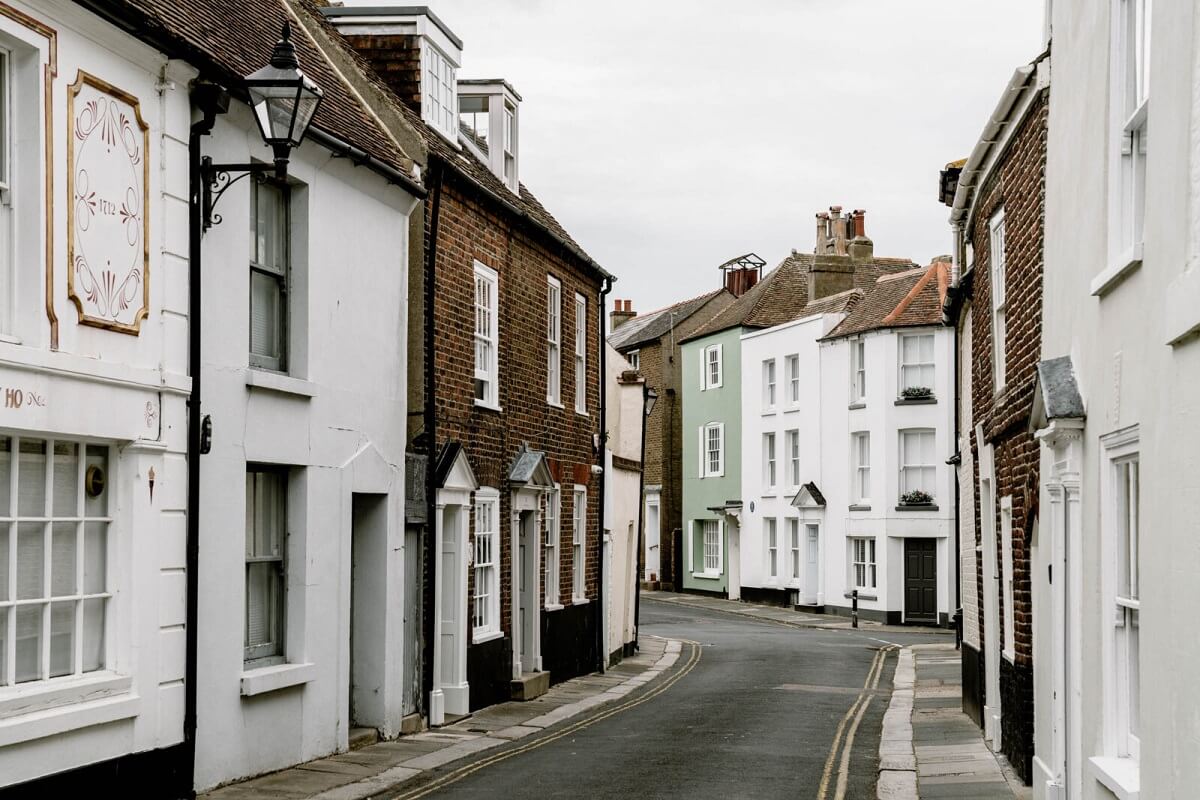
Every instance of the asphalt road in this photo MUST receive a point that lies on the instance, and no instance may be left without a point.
(756, 716)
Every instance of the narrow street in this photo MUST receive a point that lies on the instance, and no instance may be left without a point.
(756, 715)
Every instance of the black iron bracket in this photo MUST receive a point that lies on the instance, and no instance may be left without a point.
(215, 179)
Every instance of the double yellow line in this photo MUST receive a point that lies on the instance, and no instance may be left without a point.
(853, 716)
(462, 772)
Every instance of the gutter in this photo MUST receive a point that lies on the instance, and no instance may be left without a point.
(608, 282)
(361, 158)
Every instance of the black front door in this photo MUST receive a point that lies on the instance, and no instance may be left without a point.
(920, 580)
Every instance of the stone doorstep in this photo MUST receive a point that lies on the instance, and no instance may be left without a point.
(530, 685)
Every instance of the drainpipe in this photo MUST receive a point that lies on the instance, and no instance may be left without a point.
(207, 98)
(608, 282)
(428, 622)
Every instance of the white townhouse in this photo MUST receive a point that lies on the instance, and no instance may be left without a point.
(883, 497)
(178, 596)
(1115, 559)
(781, 451)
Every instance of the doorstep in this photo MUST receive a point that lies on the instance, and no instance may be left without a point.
(530, 686)
(384, 767)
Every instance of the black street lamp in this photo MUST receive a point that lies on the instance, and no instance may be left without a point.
(284, 101)
(650, 399)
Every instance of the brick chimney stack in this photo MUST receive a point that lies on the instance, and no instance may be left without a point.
(832, 232)
(622, 312)
(860, 247)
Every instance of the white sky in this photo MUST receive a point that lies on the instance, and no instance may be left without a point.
(670, 135)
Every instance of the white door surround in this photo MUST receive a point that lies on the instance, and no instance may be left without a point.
(452, 516)
(812, 561)
(989, 520)
(526, 581)
(653, 570)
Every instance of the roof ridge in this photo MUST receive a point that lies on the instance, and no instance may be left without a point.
(891, 276)
(664, 309)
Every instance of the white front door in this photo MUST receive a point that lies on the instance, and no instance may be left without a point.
(812, 551)
(991, 616)
(733, 564)
(653, 551)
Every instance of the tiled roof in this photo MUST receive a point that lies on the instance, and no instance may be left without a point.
(228, 39)
(651, 325)
(899, 300)
(782, 295)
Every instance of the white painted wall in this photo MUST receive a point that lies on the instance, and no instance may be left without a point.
(124, 391)
(625, 417)
(338, 420)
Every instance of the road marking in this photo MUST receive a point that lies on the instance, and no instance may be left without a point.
(463, 772)
(844, 768)
(859, 702)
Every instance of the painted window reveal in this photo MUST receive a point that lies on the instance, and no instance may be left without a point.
(439, 107)
(7, 277)
(486, 336)
(107, 178)
(998, 259)
(266, 567)
(553, 506)
(858, 370)
(710, 533)
(269, 275)
(54, 546)
(860, 445)
(769, 464)
(712, 450)
(792, 438)
(1130, 105)
(553, 341)
(769, 385)
(916, 362)
(917, 466)
(771, 534)
(710, 367)
(579, 544)
(487, 587)
(794, 547)
(862, 562)
(510, 146)
(793, 379)
(581, 317)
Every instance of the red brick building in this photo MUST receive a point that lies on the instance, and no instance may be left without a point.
(998, 200)
(507, 326)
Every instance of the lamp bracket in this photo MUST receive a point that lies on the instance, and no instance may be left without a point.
(216, 178)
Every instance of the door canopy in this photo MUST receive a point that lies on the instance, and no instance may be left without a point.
(530, 471)
(809, 496)
(454, 469)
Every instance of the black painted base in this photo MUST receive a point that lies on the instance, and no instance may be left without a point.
(766, 596)
(972, 683)
(1016, 722)
(489, 672)
(569, 641)
(155, 775)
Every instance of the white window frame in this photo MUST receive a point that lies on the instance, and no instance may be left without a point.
(579, 544)
(795, 549)
(581, 328)
(919, 368)
(712, 559)
(863, 563)
(275, 651)
(279, 273)
(909, 466)
(553, 517)
(771, 539)
(1121, 608)
(553, 341)
(487, 372)
(712, 367)
(511, 178)
(1007, 584)
(8, 282)
(791, 442)
(997, 256)
(634, 357)
(770, 463)
(485, 562)
(858, 370)
(1129, 108)
(860, 481)
(439, 96)
(770, 386)
(45, 524)
(707, 469)
(793, 380)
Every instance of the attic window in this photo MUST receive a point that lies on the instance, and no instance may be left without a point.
(473, 119)
(439, 88)
(510, 145)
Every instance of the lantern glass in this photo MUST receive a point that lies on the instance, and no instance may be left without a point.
(284, 102)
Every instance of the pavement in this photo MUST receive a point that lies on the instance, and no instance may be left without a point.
(929, 748)
(780, 614)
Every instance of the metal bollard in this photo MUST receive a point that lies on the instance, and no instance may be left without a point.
(854, 608)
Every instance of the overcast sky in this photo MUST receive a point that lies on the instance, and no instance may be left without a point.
(670, 135)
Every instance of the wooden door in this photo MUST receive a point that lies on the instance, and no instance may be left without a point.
(920, 580)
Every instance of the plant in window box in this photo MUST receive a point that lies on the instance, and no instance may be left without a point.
(916, 498)
(916, 393)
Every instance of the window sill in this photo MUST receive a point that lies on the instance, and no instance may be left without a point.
(579, 413)
(487, 406)
(28, 698)
(4, 337)
(922, 507)
(553, 607)
(96, 701)
(791, 409)
(1115, 272)
(708, 576)
(276, 677)
(770, 492)
(856, 406)
(1122, 776)
(861, 595)
(557, 405)
(859, 507)
(1183, 307)
(275, 382)
(480, 638)
(768, 412)
(581, 601)
(1010, 656)
(916, 401)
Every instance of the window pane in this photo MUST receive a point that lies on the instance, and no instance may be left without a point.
(5, 476)
(31, 486)
(62, 638)
(95, 557)
(266, 315)
(97, 456)
(260, 586)
(31, 551)
(4, 647)
(29, 643)
(1135, 701)
(62, 558)
(93, 634)
(4, 528)
(66, 479)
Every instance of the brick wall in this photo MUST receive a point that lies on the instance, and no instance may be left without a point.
(471, 229)
(1018, 185)
(397, 59)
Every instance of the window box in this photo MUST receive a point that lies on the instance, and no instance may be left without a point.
(916, 393)
(856, 406)
(917, 507)
(916, 498)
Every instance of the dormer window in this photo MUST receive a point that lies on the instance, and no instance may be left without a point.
(488, 115)
(438, 101)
